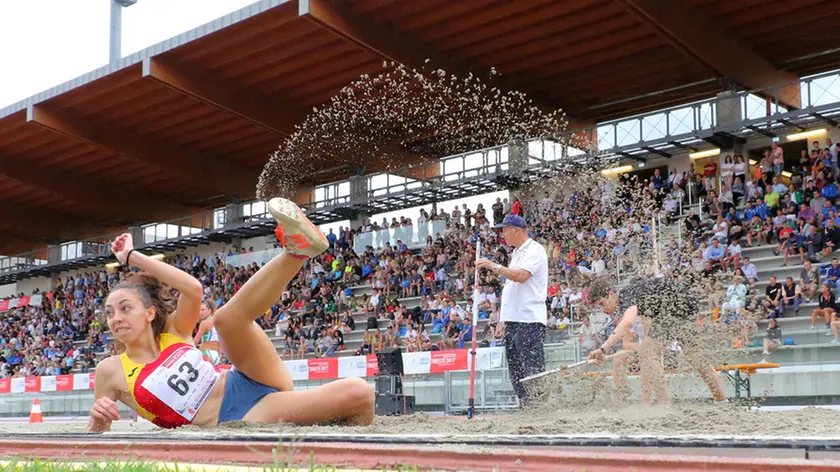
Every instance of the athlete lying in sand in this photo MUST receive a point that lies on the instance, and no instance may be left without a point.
(666, 309)
(164, 377)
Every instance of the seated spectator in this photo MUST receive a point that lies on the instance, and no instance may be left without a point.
(392, 338)
(832, 274)
(733, 255)
(826, 308)
(721, 229)
(736, 296)
(831, 238)
(337, 342)
(450, 336)
(379, 341)
(756, 231)
(375, 304)
(772, 339)
(771, 199)
(773, 301)
(322, 343)
(367, 343)
(806, 213)
(305, 346)
(587, 336)
(791, 295)
(787, 242)
(771, 229)
(809, 281)
(715, 254)
(738, 190)
(290, 347)
(348, 324)
(834, 325)
(465, 335)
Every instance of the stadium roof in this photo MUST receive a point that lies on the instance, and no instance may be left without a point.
(187, 124)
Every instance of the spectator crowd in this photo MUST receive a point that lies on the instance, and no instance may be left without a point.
(590, 227)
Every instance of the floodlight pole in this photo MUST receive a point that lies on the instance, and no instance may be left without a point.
(116, 28)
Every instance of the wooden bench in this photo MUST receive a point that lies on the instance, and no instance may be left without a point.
(739, 375)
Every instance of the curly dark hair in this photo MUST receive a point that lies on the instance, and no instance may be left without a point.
(152, 292)
(600, 288)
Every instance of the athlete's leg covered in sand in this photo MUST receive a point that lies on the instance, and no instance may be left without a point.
(252, 352)
(620, 377)
(652, 372)
(699, 361)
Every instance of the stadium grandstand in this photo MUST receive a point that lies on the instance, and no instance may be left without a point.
(167, 144)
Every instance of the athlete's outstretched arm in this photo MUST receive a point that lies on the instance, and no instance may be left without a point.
(105, 409)
(189, 289)
(203, 327)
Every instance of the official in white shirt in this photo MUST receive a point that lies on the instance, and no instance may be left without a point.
(523, 307)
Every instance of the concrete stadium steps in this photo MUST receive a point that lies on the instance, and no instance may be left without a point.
(802, 354)
(781, 273)
(804, 337)
(359, 290)
(773, 262)
(804, 309)
(757, 252)
(801, 322)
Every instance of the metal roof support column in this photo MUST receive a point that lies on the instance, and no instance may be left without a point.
(728, 110)
(517, 164)
(359, 195)
(53, 253)
(136, 233)
(517, 157)
(233, 214)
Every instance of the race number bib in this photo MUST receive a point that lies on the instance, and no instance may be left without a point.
(182, 381)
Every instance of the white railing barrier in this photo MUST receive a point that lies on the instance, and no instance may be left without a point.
(413, 236)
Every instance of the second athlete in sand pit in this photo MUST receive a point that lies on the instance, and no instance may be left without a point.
(667, 309)
(162, 375)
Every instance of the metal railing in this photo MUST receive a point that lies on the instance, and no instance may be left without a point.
(816, 96)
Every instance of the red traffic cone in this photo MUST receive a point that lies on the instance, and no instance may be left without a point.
(35, 415)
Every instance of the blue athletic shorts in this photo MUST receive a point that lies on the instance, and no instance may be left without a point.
(241, 394)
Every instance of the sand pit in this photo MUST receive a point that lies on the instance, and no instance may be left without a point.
(677, 420)
(691, 420)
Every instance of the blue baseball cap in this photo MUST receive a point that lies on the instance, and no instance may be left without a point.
(512, 220)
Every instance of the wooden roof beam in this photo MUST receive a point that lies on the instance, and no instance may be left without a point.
(270, 113)
(702, 39)
(108, 200)
(401, 48)
(373, 37)
(42, 223)
(11, 246)
(203, 171)
(277, 116)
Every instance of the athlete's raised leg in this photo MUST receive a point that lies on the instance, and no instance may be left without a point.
(247, 346)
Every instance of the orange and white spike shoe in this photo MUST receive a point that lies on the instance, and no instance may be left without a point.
(294, 230)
